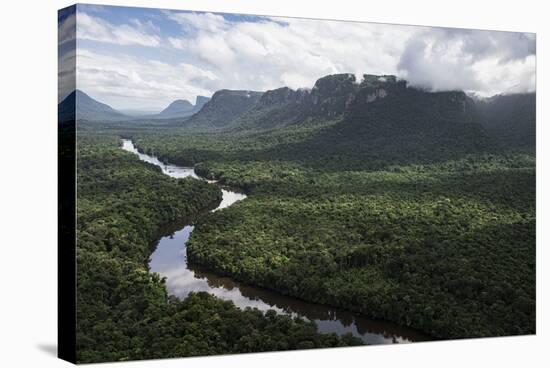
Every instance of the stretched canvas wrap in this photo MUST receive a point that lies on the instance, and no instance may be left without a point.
(237, 183)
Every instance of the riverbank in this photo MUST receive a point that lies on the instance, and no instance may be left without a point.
(170, 261)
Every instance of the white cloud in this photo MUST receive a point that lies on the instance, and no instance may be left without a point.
(485, 62)
(66, 74)
(67, 30)
(66, 38)
(129, 83)
(97, 29)
(294, 52)
(515, 76)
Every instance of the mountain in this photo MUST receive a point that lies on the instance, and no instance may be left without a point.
(378, 121)
(382, 104)
(224, 107)
(512, 118)
(328, 99)
(178, 108)
(66, 109)
(385, 106)
(86, 108)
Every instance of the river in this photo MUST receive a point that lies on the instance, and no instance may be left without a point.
(170, 260)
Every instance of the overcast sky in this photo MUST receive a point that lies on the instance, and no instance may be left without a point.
(135, 58)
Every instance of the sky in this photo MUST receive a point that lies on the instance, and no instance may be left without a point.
(143, 59)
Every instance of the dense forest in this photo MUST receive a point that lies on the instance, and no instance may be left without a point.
(447, 247)
(397, 203)
(123, 311)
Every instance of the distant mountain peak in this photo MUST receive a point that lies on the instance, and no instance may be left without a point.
(182, 108)
(177, 108)
(79, 105)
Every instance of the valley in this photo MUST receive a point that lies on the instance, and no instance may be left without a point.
(397, 213)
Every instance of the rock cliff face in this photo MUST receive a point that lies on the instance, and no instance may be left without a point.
(340, 96)
(381, 102)
(331, 95)
(278, 96)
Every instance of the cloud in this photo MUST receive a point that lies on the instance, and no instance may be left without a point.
(514, 76)
(96, 29)
(66, 38)
(274, 52)
(486, 62)
(66, 74)
(211, 48)
(129, 83)
(66, 30)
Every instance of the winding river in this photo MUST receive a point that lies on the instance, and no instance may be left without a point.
(170, 260)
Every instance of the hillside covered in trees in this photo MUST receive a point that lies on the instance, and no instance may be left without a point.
(512, 118)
